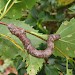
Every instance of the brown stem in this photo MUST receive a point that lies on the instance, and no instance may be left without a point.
(20, 33)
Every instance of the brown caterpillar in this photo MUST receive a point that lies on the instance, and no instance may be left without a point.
(21, 34)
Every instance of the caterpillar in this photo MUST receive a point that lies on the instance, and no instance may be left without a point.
(21, 34)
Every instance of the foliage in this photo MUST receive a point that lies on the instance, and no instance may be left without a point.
(40, 18)
(66, 44)
(9, 47)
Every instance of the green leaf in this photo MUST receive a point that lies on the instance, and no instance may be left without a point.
(66, 45)
(72, 8)
(29, 3)
(34, 65)
(2, 4)
(18, 9)
(69, 72)
(51, 70)
(34, 40)
(7, 49)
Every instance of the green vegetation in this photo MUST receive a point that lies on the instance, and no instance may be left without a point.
(39, 18)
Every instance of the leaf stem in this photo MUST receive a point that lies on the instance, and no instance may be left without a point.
(7, 10)
(6, 6)
(35, 34)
